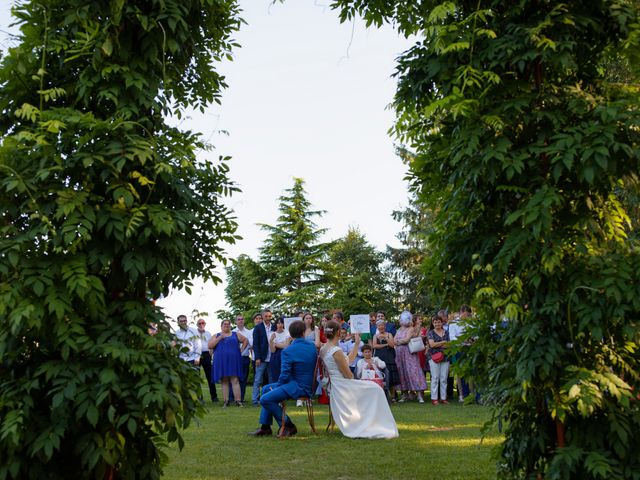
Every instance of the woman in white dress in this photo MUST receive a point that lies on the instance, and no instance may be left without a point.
(359, 407)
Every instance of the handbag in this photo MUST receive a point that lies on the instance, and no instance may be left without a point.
(416, 345)
(437, 357)
(370, 375)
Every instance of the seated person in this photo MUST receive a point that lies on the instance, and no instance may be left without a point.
(359, 408)
(295, 381)
(370, 366)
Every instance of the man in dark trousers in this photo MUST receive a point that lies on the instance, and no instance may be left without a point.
(296, 381)
(261, 354)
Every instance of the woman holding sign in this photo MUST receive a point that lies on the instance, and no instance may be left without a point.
(359, 407)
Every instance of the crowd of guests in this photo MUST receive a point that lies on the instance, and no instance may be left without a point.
(404, 355)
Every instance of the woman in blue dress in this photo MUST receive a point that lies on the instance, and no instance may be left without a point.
(227, 361)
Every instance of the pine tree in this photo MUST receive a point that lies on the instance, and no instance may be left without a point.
(292, 256)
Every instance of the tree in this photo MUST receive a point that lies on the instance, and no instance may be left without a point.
(244, 290)
(406, 276)
(103, 206)
(521, 144)
(292, 256)
(355, 279)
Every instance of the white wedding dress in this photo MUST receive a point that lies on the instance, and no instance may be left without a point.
(359, 407)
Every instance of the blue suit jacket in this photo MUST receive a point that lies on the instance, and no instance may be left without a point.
(260, 342)
(298, 366)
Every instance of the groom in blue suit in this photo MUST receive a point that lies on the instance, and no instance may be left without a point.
(295, 381)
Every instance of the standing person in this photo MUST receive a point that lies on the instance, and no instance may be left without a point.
(188, 338)
(246, 353)
(311, 332)
(411, 377)
(323, 322)
(383, 346)
(338, 316)
(438, 339)
(372, 325)
(296, 380)
(422, 356)
(205, 357)
(261, 353)
(388, 326)
(456, 329)
(227, 368)
(278, 341)
(347, 344)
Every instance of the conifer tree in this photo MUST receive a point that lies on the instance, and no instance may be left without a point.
(292, 256)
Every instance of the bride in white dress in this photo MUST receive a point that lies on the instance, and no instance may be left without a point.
(359, 407)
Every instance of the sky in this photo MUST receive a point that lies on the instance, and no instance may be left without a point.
(308, 97)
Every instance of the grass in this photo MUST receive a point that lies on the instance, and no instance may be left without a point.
(437, 442)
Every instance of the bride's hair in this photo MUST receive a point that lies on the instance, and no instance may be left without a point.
(332, 329)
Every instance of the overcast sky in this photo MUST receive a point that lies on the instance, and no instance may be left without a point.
(308, 97)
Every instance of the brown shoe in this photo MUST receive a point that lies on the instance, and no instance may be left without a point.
(288, 431)
(261, 432)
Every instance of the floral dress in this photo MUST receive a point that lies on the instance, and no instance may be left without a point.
(411, 376)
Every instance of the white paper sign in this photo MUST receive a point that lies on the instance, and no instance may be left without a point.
(359, 323)
(288, 321)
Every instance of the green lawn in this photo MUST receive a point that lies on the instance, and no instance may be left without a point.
(436, 442)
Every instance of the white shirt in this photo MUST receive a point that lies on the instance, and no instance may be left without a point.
(347, 346)
(455, 330)
(248, 333)
(203, 338)
(189, 338)
(378, 365)
(280, 337)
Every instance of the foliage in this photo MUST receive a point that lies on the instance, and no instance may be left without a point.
(355, 279)
(522, 144)
(292, 257)
(244, 289)
(413, 291)
(103, 205)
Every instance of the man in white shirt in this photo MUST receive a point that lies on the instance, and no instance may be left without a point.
(205, 357)
(455, 331)
(246, 360)
(188, 338)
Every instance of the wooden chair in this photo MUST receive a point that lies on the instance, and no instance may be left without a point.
(307, 402)
(324, 374)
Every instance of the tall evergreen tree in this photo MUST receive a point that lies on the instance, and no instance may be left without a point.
(522, 143)
(355, 277)
(292, 255)
(103, 206)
